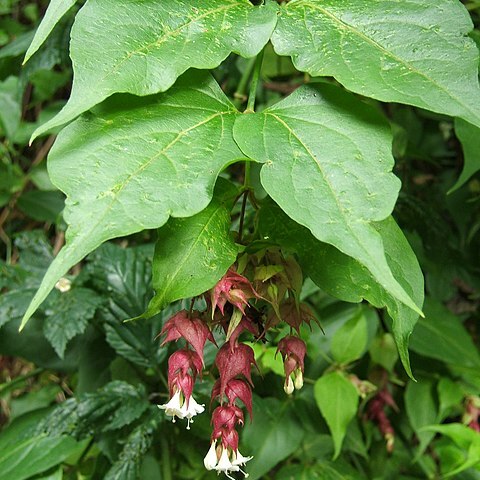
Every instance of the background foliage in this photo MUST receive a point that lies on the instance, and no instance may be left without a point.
(79, 386)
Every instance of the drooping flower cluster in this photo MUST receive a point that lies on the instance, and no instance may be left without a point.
(377, 413)
(235, 305)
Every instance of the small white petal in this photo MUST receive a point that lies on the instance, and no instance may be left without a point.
(194, 408)
(288, 386)
(210, 460)
(239, 459)
(224, 465)
(173, 407)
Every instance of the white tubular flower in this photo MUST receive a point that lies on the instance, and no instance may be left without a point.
(174, 407)
(225, 465)
(194, 408)
(289, 387)
(210, 460)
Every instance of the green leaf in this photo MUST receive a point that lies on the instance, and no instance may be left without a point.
(114, 406)
(135, 163)
(192, 254)
(450, 395)
(343, 277)
(55, 11)
(110, 408)
(10, 106)
(466, 438)
(42, 206)
(350, 340)
(34, 455)
(68, 316)
(174, 36)
(337, 400)
(383, 351)
(469, 137)
(319, 471)
(273, 439)
(416, 52)
(421, 409)
(127, 466)
(442, 336)
(123, 275)
(328, 165)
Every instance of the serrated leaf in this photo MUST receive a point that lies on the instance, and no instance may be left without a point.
(416, 52)
(343, 277)
(55, 11)
(137, 162)
(350, 340)
(68, 316)
(123, 275)
(192, 254)
(127, 466)
(174, 36)
(111, 407)
(328, 165)
(114, 406)
(469, 137)
(337, 400)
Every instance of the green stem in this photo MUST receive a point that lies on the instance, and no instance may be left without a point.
(254, 83)
(166, 466)
(240, 94)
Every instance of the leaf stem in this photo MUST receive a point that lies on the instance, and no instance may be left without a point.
(240, 94)
(254, 83)
(242, 212)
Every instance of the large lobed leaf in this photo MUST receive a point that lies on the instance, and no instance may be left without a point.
(416, 52)
(136, 162)
(327, 163)
(147, 45)
(344, 277)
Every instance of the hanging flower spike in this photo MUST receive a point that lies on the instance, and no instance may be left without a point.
(234, 361)
(234, 289)
(193, 330)
(183, 368)
(293, 351)
(225, 457)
